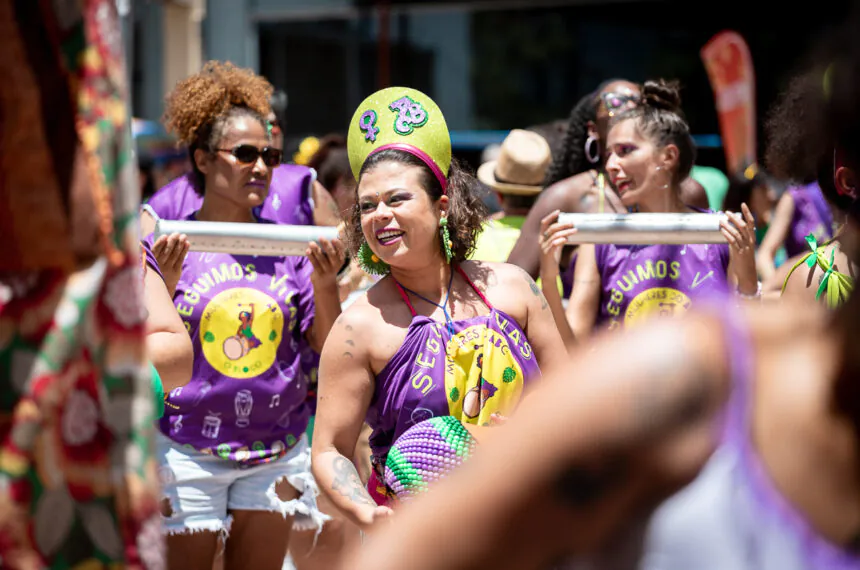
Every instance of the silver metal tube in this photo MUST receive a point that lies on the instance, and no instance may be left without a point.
(645, 228)
(275, 240)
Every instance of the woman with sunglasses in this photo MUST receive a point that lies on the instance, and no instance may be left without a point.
(235, 461)
(294, 198)
(650, 152)
(437, 335)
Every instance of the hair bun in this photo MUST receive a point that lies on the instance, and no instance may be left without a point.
(662, 94)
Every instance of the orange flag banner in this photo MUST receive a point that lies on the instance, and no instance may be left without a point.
(730, 69)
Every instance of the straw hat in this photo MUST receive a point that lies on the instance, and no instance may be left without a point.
(521, 166)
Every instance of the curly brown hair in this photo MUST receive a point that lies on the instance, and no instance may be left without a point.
(199, 108)
(794, 129)
(466, 211)
(807, 122)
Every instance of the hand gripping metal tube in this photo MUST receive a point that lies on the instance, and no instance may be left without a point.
(645, 228)
(274, 240)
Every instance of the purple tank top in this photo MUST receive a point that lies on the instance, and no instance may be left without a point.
(812, 215)
(567, 276)
(641, 281)
(148, 259)
(247, 317)
(732, 515)
(479, 370)
(290, 200)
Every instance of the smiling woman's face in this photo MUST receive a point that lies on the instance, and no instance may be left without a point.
(399, 221)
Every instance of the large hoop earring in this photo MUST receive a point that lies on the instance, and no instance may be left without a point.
(591, 144)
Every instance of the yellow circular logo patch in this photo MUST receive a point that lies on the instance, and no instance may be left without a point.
(481, 375)
(240, 332)
(656, 302)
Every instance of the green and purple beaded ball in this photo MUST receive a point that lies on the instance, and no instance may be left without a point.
(425, 453)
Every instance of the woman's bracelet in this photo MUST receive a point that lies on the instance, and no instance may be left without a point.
(756, 295)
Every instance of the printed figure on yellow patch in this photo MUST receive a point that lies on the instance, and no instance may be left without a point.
(482, 377)
(659, 302)
(237, 340)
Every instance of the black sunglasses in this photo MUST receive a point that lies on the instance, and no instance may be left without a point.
(248, 154)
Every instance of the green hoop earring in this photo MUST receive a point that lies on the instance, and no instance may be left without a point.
(368, 261)
(447, 244)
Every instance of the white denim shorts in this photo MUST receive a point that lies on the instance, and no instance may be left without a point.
(202, 489)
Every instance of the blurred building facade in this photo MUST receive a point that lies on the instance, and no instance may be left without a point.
(492, 65)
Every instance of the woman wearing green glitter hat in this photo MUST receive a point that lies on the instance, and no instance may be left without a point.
(438, 335)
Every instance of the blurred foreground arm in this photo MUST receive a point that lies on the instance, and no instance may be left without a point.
(168, 345)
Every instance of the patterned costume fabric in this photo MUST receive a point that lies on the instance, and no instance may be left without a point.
(77, 476)
(469, 369)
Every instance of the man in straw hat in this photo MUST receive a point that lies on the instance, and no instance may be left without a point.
(517, 176)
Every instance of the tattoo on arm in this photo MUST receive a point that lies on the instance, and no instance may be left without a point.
(349, 342)
(348, 483)
(536, 291)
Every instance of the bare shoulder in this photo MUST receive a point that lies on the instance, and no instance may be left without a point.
(804, 281)
(565, 195)
(777, 323)
(352, 327)
(796, 358)
(496, 274)
(375, 325)
(663, 373)
(507, 287)
(572, 187)
(368, 312)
